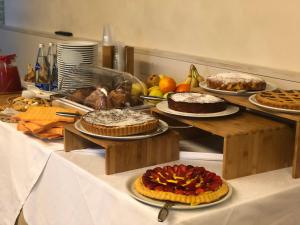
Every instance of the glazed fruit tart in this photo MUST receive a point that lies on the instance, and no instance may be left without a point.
(181, 183)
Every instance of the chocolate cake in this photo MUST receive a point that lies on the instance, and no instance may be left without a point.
(195, 103)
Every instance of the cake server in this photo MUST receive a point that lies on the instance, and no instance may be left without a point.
(68, 114)
(164, 211)
(145, 97)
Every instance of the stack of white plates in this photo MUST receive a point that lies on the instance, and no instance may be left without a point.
(72, 55)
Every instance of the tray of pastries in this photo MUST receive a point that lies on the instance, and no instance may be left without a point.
(22, 103)
(111, 89)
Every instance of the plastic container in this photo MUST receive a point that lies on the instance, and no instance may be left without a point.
(9, 75)
(102, 88)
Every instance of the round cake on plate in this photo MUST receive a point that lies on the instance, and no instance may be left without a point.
(119, 122)
(195, 103)
(284, 99)
(181, 183)
(235, 82)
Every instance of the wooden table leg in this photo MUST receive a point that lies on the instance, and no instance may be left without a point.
(296, 159)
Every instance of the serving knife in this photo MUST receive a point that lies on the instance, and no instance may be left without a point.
(164, 211)
(68, 114)
(146, 97)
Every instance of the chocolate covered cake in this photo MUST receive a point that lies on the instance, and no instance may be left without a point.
(195, 103)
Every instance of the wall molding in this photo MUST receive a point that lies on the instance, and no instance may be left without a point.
(285, 75)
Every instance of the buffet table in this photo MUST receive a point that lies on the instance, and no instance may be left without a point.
(22, 160)
(55, 187)
(74, 190)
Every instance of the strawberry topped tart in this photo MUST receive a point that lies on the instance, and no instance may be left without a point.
(181, 183)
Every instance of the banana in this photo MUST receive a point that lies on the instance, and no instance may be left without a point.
(194, 82)
(188, 80)
(199, 78)
(197, 75)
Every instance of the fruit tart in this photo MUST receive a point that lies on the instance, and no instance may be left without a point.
(180, 183)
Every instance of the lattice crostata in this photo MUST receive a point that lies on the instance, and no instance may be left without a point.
(286, 99)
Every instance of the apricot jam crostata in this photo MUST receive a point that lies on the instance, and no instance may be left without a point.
(181, 183)
(285, 99)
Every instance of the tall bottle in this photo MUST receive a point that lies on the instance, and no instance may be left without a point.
(51, 58)
(42, 69)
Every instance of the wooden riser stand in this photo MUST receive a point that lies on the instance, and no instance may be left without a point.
(252, 144)
(122, 156)
(291, 118)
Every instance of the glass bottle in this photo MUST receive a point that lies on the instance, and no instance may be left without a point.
(51, 57)
(42, 69)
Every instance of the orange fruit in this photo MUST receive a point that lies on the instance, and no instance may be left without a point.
(167, 84)
(183, 88)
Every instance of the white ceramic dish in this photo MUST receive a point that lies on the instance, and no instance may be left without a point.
(252, 99)
(163, 127)
(157, 203)
(203, 85)
(78, 43)
(230, 109)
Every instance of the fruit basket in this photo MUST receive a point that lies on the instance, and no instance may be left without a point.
(101, 88)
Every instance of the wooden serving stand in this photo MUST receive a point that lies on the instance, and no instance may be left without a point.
(293, 119)
(127, 155)
(251, 143)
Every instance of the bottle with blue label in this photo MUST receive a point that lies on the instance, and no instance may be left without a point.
(51, 57)
(42, 78)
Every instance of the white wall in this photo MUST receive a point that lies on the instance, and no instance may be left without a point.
(254, 32)
(25, 46)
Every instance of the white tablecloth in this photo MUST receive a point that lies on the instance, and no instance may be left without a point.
(74, 190)
(22, 160)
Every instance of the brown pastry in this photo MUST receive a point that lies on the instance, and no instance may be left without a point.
(80, 94)
(118, 98)
(286, 99)
(97, 99)
(235, 82)
(119, 122)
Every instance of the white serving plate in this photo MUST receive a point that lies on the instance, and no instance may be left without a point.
(163, 127)
(252, 99)
(78, 43)
(269, 87)
(230, 109)
(158, 203)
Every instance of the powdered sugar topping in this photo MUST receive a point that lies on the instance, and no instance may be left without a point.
(195, 98)
(234, 77)
(117, 117)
